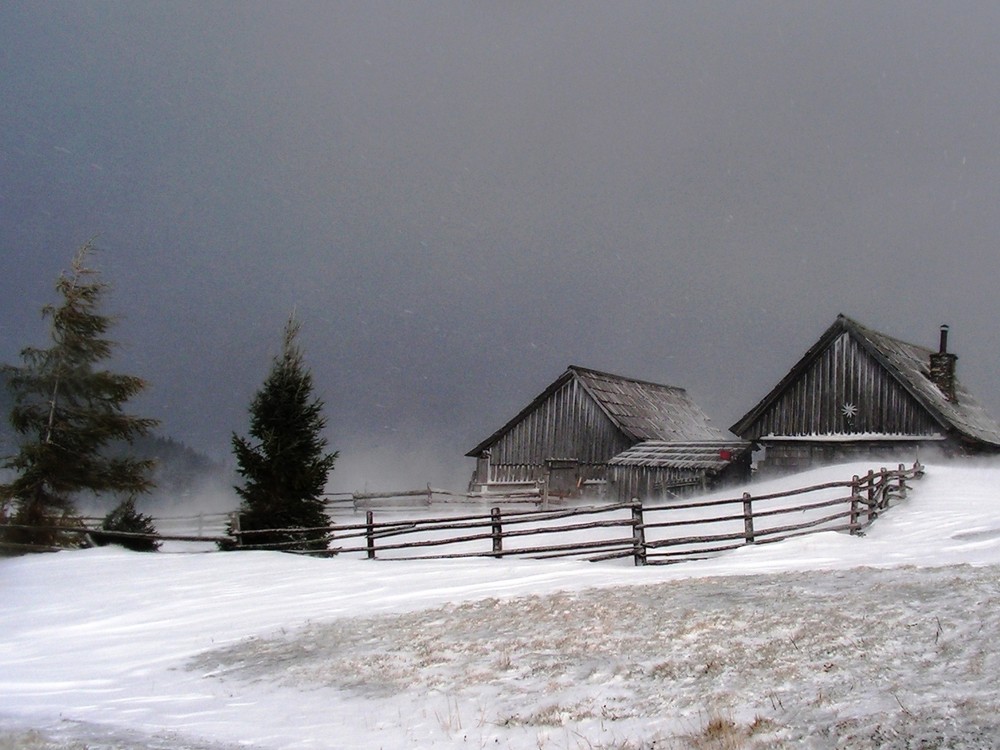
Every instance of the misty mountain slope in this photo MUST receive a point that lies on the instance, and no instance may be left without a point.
(179, 471)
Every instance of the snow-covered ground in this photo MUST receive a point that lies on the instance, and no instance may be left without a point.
(829, 640)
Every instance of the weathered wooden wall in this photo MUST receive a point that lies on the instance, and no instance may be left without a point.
(797, 456)
(653, 483)
(567, 424)
(844, 374)
(628, 482)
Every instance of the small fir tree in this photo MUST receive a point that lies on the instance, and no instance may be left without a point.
(285, 463)
(126, 518)
(67, 410)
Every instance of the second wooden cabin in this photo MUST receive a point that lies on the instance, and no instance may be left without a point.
(590, 429)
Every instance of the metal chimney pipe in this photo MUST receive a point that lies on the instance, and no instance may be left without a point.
(943, 349)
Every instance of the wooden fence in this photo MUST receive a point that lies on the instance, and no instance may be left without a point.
(649, 534)
(522, 492)
(761, 519)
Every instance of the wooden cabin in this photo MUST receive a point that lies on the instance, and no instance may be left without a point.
(858, 393)
(566, 436)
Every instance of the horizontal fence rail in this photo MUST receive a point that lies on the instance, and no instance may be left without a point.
(649, 534)
(508, 493)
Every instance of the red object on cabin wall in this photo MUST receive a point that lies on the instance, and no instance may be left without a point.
(725, 455)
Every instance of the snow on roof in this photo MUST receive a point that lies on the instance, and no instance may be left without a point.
(709, 454)
(910, 363)
(851, 437)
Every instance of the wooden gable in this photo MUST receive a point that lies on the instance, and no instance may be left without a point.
(857, 383)
(564, 422)
(841, 390)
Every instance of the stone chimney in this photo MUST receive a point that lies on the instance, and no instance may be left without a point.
(943, 368)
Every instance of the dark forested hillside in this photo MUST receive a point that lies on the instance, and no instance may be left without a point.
(180, 470)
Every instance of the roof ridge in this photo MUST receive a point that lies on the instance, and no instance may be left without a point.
(580, 369)
(867, 332)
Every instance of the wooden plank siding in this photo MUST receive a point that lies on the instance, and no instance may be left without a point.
(663, 470)
(900, 405)
(568, 433)
(844, 374)
(566, 425)
(651, 483)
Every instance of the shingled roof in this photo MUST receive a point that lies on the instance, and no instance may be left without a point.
(640, 409)
(713, 455)
(909, 365)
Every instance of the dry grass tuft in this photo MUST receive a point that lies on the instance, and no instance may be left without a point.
(719, 734)
(34, 740)
(722, 733)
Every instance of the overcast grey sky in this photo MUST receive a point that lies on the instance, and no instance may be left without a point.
(461, 198)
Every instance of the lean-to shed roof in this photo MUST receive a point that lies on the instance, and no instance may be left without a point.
(909, 364)
(712, 455)
(640, 409)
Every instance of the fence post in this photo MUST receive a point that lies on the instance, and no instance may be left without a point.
(902, 482)
(638, 533)
(430, 495)
(748, 518)
(855, 499)
(234, 525)
(496, 532)
(871, 495)
(885, 485)
(370, 534)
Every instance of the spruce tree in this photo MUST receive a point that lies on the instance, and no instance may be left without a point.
(125, 518)
(284, 463)
(67, 410)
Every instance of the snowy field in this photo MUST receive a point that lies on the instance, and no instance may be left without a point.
(826, 641)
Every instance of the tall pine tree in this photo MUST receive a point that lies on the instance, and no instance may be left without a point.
(285, 464)
(67, 410)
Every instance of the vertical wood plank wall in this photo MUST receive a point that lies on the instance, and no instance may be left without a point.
(844, 374)
(654, 483)
(568, 424)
